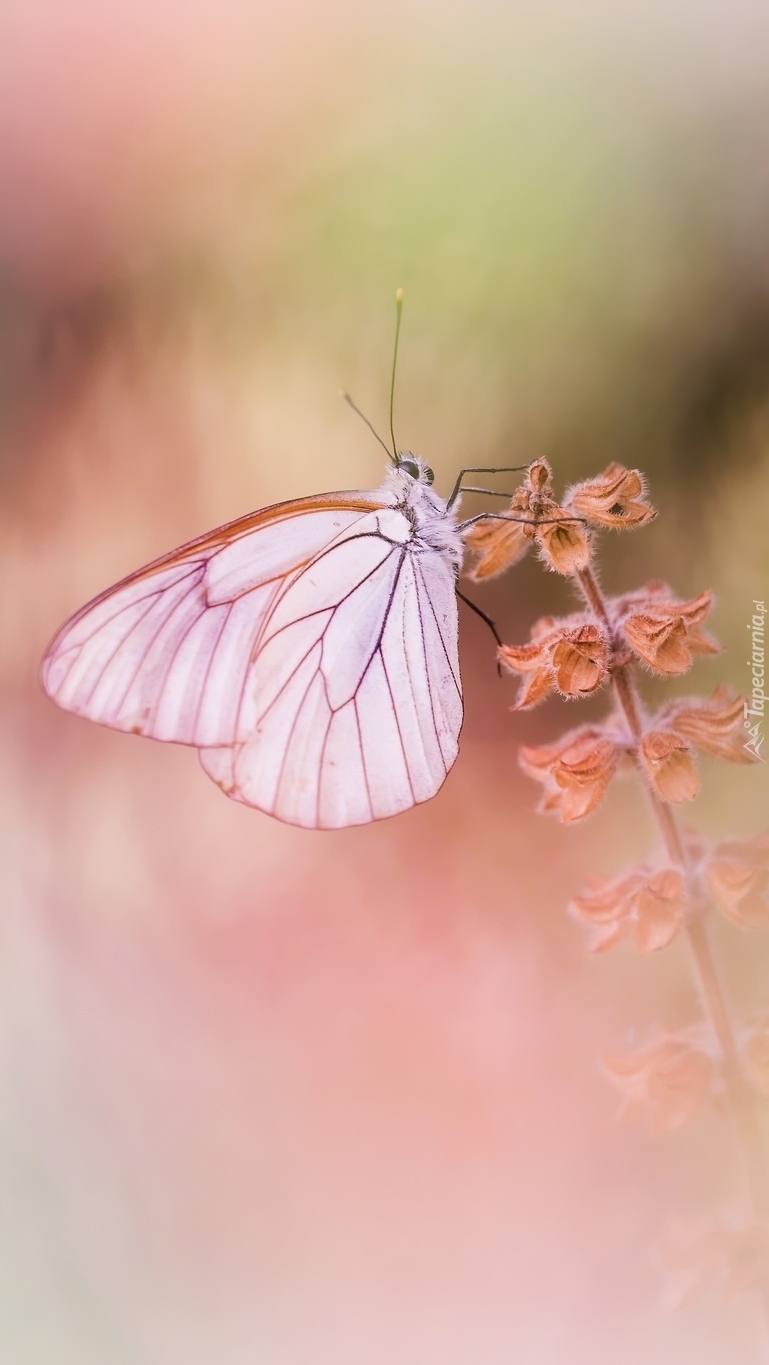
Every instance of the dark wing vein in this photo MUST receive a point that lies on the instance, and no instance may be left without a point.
(111, 656)
(308, 615)
(152, 641)
(292, 732)
(438, 628)
(362, 755)
(209, 666)
(398, 726)
(427, 675)
(107, 620)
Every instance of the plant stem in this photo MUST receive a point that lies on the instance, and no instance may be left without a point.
(740, 1095)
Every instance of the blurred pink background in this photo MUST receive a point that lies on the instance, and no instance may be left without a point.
(271, 1096)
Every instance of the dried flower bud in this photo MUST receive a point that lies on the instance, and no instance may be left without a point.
(498, 544)
(660, 644)
(615, 498)
(564, 546)
(539, 477)
(575, 772)
(659, 910)
(669, 765)
(531, 662)
(665, 634)
(738, 877)
(674, 1076)
(580, 660)
(714, 725)
(569, 656)
(710, 1254)
(648, 905)
(604, 905)
(536, 683)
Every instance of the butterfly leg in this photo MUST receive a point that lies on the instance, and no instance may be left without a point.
(482, 615)
(487, 620)
(524, 521)
(482, 469)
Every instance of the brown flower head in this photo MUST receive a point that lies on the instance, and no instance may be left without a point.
(615, 498)
(501, 543)
(709, 1254)
(713, 725)
(668, 764)
(738, 877)
(647, 905)
(673, 1075)
(569, 656)
(580, 660)
(563, 543)
(575, 771)
(664, 633)
(564, 546)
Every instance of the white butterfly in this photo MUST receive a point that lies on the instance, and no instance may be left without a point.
(308, 651)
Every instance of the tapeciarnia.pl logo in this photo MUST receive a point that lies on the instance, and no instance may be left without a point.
(755, 705)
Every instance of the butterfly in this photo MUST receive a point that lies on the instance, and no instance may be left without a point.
(308, 651)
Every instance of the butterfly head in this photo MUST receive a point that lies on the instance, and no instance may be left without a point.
(416, 469)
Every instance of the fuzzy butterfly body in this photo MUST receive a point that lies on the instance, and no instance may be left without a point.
(308, 651)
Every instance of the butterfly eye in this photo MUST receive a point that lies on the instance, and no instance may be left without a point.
(410, 467)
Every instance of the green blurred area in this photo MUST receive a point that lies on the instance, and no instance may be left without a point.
(578, 215)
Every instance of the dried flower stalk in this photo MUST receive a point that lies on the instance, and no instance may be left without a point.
(604, 645)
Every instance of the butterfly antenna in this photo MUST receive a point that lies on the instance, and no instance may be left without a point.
(343, 394)
(398, 315)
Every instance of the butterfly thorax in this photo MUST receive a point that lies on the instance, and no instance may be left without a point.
(433, 524)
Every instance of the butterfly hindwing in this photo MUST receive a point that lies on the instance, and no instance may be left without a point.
(359, 702)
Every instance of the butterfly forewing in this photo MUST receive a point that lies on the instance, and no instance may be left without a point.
(168, 652)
